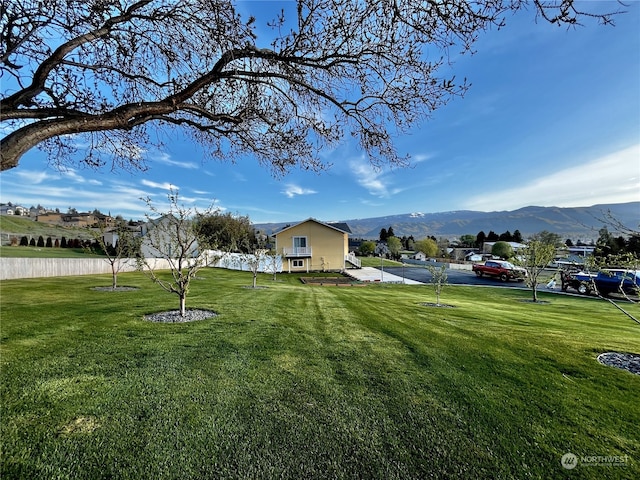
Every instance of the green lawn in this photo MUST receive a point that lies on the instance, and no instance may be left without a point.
(297, 381)
(44, 252)
(16, 226)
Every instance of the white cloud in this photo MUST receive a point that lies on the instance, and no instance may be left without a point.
(162, 186)
(166, 159)
(369, 178)
(614, 178)
(292, 190)
(32, 177)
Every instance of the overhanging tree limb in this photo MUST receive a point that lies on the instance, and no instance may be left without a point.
(329, 67)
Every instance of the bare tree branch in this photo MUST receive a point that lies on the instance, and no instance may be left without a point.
(328, 68)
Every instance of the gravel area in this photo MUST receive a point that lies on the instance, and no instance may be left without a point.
(173, 316)
(626, 361)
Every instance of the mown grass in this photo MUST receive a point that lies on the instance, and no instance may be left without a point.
(13, 225)
(44, 252)
(298, 381)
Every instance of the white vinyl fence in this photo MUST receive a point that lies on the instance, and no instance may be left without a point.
(13, 268)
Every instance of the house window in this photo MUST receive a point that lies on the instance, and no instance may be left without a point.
(299, 242)
(298, 263)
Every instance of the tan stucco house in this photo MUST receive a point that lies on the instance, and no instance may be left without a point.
(312, 245)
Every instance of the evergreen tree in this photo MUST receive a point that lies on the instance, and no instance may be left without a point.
(383, 235)
(506, 236)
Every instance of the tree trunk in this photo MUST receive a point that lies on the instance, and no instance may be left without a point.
(183, 303)
(255, 278)
(535, 294)
(114, 276)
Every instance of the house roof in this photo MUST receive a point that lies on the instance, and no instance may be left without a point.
(341, 227)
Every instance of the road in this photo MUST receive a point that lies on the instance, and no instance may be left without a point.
(454, 277)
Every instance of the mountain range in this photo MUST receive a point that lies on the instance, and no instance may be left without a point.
(575, 223)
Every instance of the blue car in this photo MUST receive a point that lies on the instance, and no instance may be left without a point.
(618, 281)
(605, 282)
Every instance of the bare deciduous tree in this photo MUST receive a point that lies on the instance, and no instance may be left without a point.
(254, 261)
(110, 71)
(534, 256)
(122, 249)
(174, 237)
(438, 280)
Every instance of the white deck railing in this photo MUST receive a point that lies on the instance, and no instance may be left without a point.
(352, 259)
(297, 252)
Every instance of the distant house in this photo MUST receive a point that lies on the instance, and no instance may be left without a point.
(420, 256)
(9, 209)
(488, 246)
(312, 245)
(73, 219)
(160, 240)
(474, 257)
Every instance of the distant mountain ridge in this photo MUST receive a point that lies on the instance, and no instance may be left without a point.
(576, 223)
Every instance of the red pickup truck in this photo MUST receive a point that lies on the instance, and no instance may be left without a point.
(500, 269)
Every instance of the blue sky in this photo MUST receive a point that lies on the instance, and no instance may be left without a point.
(552, 119)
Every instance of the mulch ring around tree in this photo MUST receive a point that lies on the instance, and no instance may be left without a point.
(626, 361)
(117, 289)
(438, 305)
(173, 316)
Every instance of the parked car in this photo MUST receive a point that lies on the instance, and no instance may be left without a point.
(500, 269)
(605, 282)
(580, 281)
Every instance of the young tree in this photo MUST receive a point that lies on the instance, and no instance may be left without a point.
(438, 279)
(106, 70)
(125, 250)
(254, 260)
(274, 263)
(174, 237)
(534, 257)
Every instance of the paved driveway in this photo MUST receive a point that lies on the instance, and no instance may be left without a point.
(454, 277)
